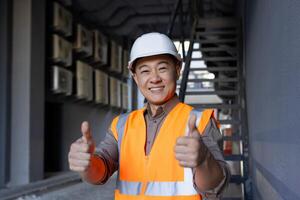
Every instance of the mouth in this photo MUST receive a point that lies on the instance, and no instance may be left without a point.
(156, 89)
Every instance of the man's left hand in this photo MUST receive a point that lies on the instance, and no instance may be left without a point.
(190, 150)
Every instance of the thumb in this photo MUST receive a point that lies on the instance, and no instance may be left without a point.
(86, 132)
(192, 125)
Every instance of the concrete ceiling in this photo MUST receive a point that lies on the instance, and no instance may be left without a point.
(131, 18)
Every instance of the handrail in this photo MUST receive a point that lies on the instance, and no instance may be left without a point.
(173, 17)
(182, 31)
(186, 70)
(171, 24)
(194, 16)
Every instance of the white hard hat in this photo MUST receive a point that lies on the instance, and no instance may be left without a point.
(151, 44)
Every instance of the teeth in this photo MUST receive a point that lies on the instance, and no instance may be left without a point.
(156, 89)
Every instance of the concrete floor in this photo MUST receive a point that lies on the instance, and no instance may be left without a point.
(87, 191)
(78, 191)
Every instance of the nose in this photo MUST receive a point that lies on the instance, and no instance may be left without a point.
(155, 77)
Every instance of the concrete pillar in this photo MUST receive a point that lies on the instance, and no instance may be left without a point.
(28, 66)
(5, 50)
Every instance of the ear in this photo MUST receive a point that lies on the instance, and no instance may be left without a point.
(178, 69)
(134, 77)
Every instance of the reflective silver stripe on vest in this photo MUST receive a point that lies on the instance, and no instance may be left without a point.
(120, 127)
(129, 188)
(157, 188)
(179, 188)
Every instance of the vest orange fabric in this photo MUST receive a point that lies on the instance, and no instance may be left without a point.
(157, 175)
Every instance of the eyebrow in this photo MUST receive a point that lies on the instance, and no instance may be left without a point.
(161, 62)
(141, 66)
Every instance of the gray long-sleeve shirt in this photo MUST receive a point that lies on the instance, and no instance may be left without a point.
(108, 148)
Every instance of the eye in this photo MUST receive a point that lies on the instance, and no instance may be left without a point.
(163, 68)
(144, 71)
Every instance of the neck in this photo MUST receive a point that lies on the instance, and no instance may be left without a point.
(154, 108)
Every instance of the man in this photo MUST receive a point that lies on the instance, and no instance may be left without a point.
(163, 151)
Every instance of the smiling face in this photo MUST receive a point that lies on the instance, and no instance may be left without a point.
(156, 77)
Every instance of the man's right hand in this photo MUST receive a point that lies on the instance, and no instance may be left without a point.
(82, 150)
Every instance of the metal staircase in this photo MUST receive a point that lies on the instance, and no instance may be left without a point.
(213, 77)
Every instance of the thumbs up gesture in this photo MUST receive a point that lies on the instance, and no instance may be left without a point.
(190, 150)
(81, 150)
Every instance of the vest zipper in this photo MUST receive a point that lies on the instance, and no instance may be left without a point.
(144, 184)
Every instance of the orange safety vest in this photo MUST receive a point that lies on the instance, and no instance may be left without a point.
(157, 175)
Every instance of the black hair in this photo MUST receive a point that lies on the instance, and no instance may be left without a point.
(175, 60)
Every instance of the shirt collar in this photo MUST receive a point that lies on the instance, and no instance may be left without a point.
(163, 109)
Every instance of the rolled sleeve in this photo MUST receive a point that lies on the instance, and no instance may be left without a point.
(210, 138)
(107, 150)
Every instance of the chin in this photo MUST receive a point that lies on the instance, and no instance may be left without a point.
(157, 101)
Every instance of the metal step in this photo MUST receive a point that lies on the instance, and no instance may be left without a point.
(234, 157)
(207, 33)
(209, 41)
(213, 49)
(217, 22)
(219, 106)
(214, 80)
(215, 59)
(218, 92)
(230, 121)
(215, 69)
